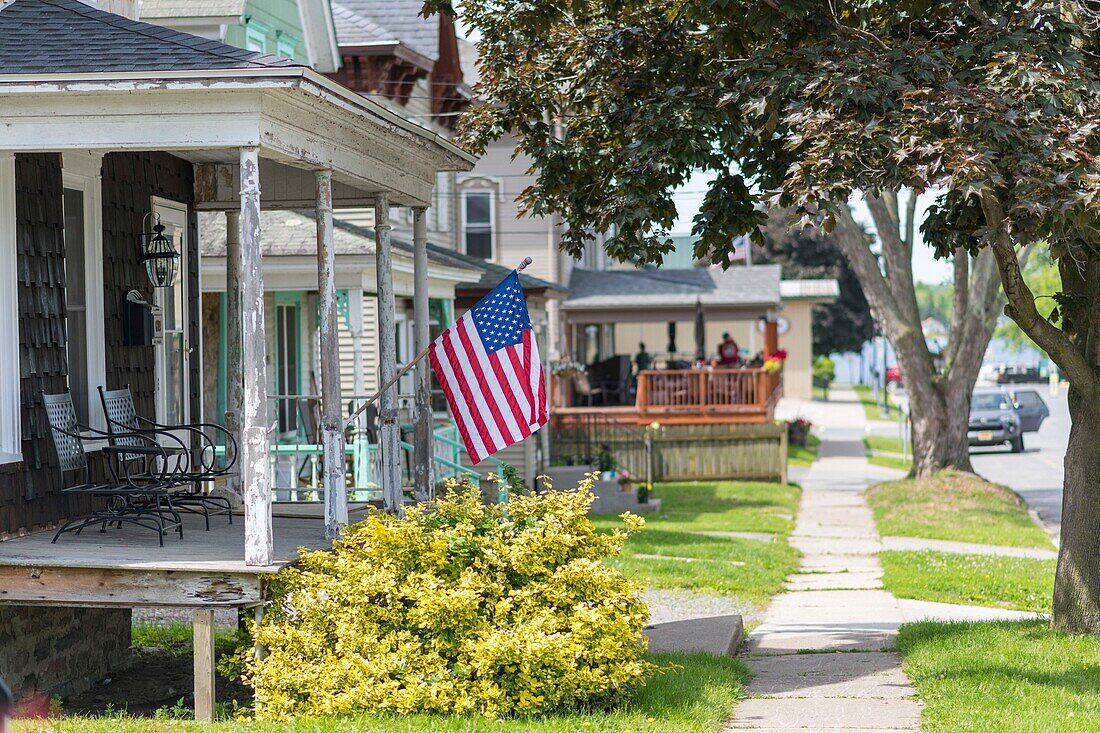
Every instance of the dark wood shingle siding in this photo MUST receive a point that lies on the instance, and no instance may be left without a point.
(130, 181)
(29, 496)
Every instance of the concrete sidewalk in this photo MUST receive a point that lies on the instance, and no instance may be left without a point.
(820, 658)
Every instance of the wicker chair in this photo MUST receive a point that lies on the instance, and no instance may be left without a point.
(144, 501)
(193, 466)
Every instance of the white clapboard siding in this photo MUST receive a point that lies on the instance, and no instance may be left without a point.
(370, 354)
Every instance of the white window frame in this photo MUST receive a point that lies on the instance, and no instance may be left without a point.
(286, 45)
(11, 438)
(491, 193)
(255, 30)
(82, 171)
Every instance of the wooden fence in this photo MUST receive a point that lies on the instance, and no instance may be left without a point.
(683, 452)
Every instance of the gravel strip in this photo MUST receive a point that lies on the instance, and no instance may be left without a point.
(675, 605)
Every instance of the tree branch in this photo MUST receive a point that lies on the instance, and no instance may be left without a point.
(1021, 304)
(960, 304)
(911, 220)
(899, 259)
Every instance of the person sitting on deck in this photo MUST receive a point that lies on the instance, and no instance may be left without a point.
(642, 359)
(729, 354)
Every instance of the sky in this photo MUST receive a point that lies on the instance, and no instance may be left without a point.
(926, 268)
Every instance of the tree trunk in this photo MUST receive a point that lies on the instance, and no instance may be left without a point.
(1077, 582)
(939, 431)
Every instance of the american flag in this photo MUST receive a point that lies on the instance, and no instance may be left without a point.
(489, 367)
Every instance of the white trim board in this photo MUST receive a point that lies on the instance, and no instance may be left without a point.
(11, 438)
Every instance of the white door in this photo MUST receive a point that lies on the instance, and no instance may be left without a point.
(173, 353)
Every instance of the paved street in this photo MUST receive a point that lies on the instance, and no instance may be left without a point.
(1036, 474)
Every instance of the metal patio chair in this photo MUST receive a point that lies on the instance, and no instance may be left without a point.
(193, 467)
(143, 501)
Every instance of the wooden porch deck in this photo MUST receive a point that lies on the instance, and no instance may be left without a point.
(126, 567)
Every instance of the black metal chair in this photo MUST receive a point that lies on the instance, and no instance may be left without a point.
(195, 465)
(144, 501)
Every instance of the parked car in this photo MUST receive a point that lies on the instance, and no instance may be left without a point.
(1030, 407)
(994, 420)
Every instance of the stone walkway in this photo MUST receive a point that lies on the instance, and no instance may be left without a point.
(820, 659)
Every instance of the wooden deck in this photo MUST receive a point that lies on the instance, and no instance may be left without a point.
(126, 567)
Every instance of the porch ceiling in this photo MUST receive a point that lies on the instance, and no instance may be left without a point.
(299, 121)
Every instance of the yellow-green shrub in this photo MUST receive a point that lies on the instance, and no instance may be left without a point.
(456, 607)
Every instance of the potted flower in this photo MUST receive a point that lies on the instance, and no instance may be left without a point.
(773, 363)
(626, 481)
(798, 431)
(643, 493)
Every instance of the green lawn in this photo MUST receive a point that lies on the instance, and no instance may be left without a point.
(1009, 677)
(803, 456)
(872, 409)
(888, 445)
(695, 693)
(955, 506)
(1018, 583)
(752, 570)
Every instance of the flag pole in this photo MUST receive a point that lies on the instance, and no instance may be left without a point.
(405, 369)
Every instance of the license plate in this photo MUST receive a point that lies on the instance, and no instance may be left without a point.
(985, 435)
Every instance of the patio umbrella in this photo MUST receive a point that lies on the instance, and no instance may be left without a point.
(700, 332)
(671, 337)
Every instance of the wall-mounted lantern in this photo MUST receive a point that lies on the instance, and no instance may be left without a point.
(160, 257)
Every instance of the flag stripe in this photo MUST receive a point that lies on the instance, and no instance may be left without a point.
(474, 445)
(502, 413)
(474, 398)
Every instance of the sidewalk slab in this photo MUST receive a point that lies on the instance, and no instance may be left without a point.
(841, 712)
(965, 548)
(719, 635)
(843, 674)
(868, 580)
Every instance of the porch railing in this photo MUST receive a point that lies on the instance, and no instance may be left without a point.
(704, 391)
(296, 457)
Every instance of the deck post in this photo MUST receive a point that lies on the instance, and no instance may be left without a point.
(255, 441)
(771, 345)
(422, 466)
(202, 622)
(389, 432)
(332, 424)
(233, 366)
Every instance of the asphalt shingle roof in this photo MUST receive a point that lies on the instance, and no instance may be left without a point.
(366, 21)
(644, 287)
(67, 36)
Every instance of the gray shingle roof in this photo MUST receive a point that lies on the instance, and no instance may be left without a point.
(67, 36)
(384, 20)
(491, 273)
(643, 287)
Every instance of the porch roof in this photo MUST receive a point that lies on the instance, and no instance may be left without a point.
(642, 295)
(76, 78)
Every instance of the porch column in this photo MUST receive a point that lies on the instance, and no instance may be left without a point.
(422, 468)
(255, 441)
(389, 432)
(771, 345)
(233, 367)
(332, 423)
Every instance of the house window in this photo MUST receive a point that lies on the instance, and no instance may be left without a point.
(286, 45)
(84, 321)
(76, 304)
(255, 36)
(287, 382)
(10, 431)
(478, 223)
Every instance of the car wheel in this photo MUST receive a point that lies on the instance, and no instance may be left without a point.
(1017, 444)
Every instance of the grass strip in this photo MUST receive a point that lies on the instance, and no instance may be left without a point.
(953, 505)
(1016, 583)
(803, 456)
(694, 694)
(1009, 677)
(873, 410)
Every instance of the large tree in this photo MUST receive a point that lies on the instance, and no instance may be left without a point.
(841, 326)
(805, 103)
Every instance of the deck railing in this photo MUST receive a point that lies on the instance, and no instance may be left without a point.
(704, 392)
